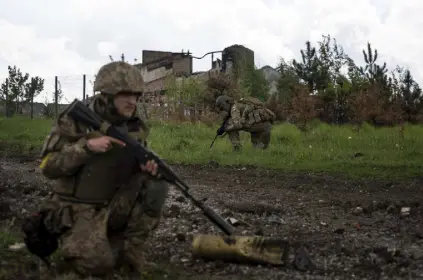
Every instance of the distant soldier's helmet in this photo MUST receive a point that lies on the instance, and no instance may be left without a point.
(119, 77)
(223, 103)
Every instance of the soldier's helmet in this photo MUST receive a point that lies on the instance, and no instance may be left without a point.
(118, 77)
(223, 103)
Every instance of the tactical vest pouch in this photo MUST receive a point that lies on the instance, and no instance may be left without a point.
(266, 115)
(250, 119)
(66, 186)
(257, 117)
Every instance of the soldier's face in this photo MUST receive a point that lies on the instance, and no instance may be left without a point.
(126, 104)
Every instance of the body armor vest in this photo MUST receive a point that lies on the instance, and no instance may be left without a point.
(100, 177)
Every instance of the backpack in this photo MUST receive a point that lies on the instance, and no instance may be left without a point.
(258, 111)
(252, 101)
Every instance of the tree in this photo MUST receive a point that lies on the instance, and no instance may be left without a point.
(335, 87)
(20, 89)
(289, 81)
(307, 69)
(410, 95)
(345, 91)
(4, 98)
(32, 89)
(376, 73)
(17, 82)
(255, 84)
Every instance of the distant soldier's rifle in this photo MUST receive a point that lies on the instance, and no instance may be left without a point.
(225, 121)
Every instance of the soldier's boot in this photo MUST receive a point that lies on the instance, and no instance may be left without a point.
(139, 262)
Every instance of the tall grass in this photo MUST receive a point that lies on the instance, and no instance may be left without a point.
(385, 152)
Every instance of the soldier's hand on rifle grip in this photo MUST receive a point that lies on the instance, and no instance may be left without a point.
(102, 144)
(150, 167)
(220, 131)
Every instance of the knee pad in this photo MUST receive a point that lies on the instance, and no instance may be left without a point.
(155, 198)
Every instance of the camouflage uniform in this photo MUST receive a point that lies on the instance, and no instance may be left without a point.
(248, 115)
(106, 205)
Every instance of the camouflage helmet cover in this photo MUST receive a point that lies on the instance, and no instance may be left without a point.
(118, 76)
(223, 102)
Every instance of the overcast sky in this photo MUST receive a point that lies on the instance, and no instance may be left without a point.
(75, 37)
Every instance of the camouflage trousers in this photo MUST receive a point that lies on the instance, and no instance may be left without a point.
(90, 248)
(260, 136)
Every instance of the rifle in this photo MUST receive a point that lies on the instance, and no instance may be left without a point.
(81, 113)
(223, 125)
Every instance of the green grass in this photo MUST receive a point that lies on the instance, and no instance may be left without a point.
(325, 148)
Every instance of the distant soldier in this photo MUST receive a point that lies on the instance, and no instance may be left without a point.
(248, 114)
(104, 206)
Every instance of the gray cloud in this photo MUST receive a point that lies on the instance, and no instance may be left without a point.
(69, 38)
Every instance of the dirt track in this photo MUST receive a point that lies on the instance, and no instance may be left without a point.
(346, 242)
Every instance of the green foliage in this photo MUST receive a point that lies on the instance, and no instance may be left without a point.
(288, 82)
(187, 90)
(19, 88)
(386, 152)
(339, 83)
(255, 84)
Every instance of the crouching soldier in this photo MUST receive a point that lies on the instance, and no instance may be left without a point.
(248, 114)
(104, 205)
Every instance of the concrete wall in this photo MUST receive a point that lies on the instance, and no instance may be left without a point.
(182, 66)
(156, 85)
(158, 65)
(155, 74)
(182, 63)
(149, 56)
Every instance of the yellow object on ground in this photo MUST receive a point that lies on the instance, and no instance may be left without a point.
(251, 249)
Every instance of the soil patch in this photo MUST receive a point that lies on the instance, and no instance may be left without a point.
(353, 228)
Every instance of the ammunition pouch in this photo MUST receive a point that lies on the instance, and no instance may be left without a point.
(260, 115)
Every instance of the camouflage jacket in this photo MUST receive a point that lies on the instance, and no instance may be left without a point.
(245, 114)
(65, 157)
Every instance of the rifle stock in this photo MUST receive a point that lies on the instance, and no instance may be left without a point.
(81, 113)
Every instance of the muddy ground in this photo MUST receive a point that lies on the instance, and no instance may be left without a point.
(352, 229)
